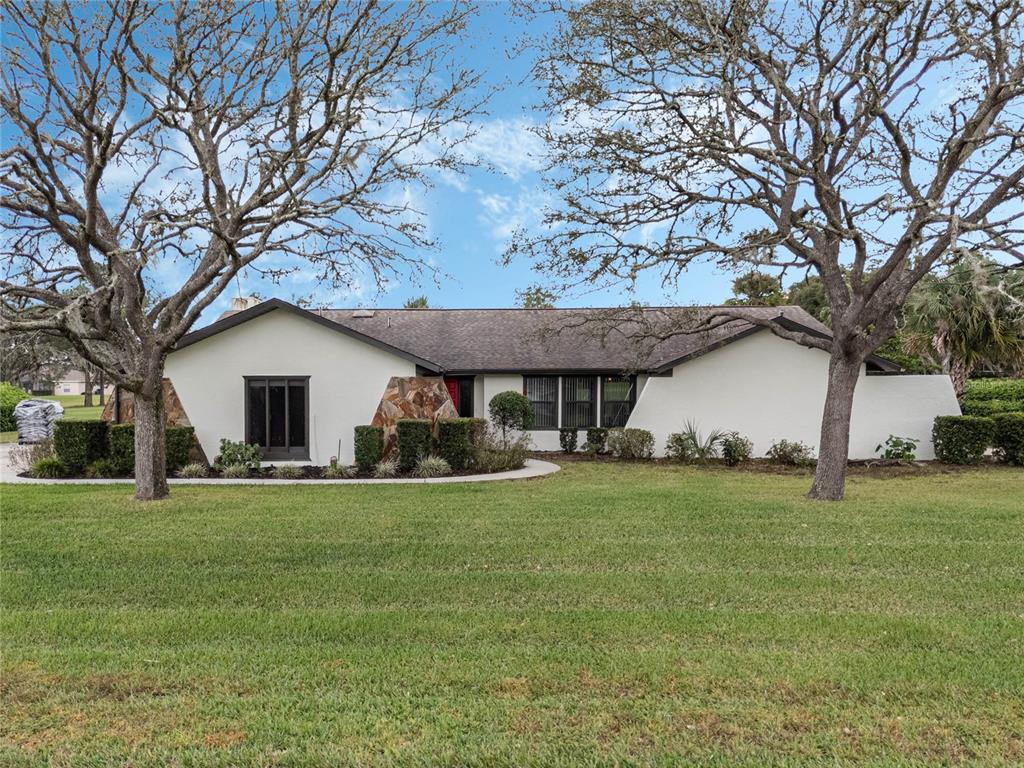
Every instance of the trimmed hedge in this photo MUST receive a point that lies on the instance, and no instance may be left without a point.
(177, 446)
(961, 439)
(1008, 437)
(369, 446)
(79, 443)
(995, 389)
(596, 439)
(121, 447)
(414, 440)
(455, 438)
(10, 396)
(972, 407)
(567, 439)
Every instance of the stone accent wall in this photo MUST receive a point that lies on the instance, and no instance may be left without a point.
(174, 410)
(412, 397)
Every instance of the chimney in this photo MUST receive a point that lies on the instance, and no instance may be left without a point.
(243, 302)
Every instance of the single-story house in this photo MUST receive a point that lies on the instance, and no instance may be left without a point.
(73, 383)
(297, 381)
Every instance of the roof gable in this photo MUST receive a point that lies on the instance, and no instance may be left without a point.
(232, 319)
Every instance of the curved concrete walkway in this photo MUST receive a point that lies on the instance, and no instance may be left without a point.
(533, 468)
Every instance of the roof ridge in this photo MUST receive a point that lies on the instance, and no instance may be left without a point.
(552, 309)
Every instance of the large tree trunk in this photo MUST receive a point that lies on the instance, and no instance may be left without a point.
(959, 371)
(834, 446)
(103, 385)
(150, 458)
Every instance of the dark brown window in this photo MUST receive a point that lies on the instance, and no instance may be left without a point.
(579, 401)
(542, 391)
(618, 395)
(277, 415)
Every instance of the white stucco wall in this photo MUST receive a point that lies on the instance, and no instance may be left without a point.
(768, 388)
(346, 379)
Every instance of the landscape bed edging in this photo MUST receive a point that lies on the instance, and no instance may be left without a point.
(533, 468)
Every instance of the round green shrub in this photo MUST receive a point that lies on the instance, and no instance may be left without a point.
(735, 448)
(414, 440)
(10, 396)
(1008, 437)
(511, 412)
(630, 443)
(961, 439)
(369, 446)
(790, 452)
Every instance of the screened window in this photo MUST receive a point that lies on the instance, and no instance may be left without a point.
(618, 394)
(542, 391)
(276, 416)
(579, 401)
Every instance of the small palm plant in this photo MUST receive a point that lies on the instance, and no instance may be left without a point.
(690, 445)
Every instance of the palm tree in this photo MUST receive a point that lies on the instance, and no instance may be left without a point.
(969, 317)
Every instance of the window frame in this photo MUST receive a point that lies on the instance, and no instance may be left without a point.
(280, 453)
(632, 396)
(594, 401)
(557, 402)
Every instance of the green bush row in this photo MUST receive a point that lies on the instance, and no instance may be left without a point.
(995, 389)
(456, 442)
(964, 439)
(79, 444)
(972, 407)
(10, 396)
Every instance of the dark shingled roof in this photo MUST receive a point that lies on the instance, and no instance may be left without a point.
(525, 340)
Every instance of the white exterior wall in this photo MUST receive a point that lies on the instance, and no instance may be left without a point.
(491, 384)
(346, 379)
(768, 388)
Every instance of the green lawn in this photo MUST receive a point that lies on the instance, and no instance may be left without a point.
(606, 615)
(74, 410)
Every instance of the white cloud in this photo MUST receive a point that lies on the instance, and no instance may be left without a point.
(509, 146)
(503, 215)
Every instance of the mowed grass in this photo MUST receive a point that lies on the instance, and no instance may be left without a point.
(74, 410)
(609, 614)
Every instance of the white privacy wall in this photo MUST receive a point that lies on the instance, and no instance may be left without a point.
(346, 379)
(768, 388)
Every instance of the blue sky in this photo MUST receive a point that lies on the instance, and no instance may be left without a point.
(471, 220)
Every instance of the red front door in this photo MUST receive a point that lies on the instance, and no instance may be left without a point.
(453, 390)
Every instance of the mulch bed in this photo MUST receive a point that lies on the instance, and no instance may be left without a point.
(267, 473)
(878, 468)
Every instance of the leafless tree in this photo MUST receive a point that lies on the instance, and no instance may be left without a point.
(866, 141)
(153, 150)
